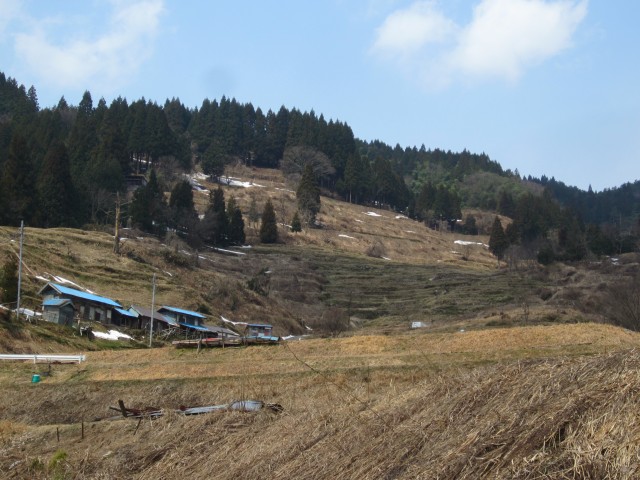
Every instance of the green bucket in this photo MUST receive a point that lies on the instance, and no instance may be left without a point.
(35, 378)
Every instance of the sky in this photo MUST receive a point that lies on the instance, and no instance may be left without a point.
(544, 87)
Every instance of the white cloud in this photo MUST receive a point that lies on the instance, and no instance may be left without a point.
(502, 40)
(406, 31)
(107, 59)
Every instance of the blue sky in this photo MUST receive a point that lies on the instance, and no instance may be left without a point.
(542, 86)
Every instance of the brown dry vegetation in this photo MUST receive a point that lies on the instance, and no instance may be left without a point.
(516, 376)
(537, 402)
(424, 276)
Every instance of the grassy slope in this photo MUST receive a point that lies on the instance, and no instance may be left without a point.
(516, 402)
(425, 276)
(503, 403)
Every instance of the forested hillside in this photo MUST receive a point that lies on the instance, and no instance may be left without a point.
(69, 165)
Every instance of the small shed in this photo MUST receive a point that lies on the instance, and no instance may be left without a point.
(58, 310)
(260, 333)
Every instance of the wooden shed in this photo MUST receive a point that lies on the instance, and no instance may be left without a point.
(160, 321)
(58, 310)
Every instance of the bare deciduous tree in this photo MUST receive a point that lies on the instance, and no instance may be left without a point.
(296, 158)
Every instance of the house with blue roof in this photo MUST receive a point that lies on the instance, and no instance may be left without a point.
(191, 323)
(124, 318)
(183, 317)
(88, 306)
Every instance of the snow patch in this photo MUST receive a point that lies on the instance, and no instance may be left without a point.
(401, 217)
(465, 242)
(112, 335)
(195, 184)
(64, 281)
(372, 214)
(236, 182)
(295, 337)
(233, 252)
(284, 190)
(346, 236)
(226, 320)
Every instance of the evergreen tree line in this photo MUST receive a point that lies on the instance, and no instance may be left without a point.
(542, 229)
(63, 166)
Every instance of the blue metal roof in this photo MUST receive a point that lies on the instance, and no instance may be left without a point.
(195, 327)
(126, 313)
(184, 312)
(56, 302)
(87, 296)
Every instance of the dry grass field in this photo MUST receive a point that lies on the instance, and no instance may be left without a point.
(516, 374)
(524, 402)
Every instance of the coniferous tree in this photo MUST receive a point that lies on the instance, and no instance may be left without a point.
(498, 242)
(136, 141)
(296, 225)
(308, 194)
(33, 98)
(17, 183)
(149, 208)
(55, 188)
(83, 138)
(9, 282)
(214, 227)
(236, 223)
(506, 204)
(354, 179)
(212, 162)
(268, 225)
(184, 217)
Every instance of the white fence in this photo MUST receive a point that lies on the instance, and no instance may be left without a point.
(44, 358)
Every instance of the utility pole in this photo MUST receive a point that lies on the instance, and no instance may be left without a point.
(153, 302)
(20, 269)
(116, 240)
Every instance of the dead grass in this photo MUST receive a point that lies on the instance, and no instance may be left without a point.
(504, 403)
(423, 275)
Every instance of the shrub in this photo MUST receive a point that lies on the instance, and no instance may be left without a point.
(376, 249)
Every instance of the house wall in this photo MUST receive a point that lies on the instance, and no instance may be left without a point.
(182, 318)
(61, 316)
(93, 312)
(50, 314)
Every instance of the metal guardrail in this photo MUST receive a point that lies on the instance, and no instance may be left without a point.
(44, 358)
